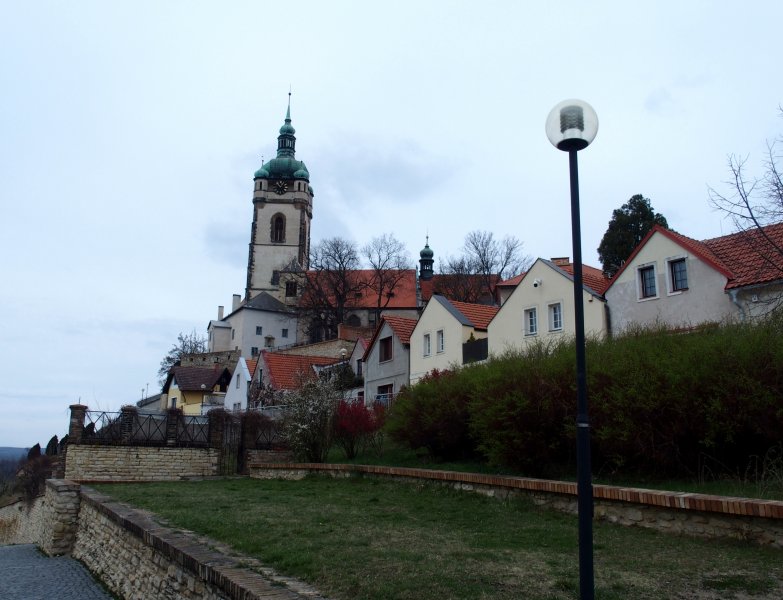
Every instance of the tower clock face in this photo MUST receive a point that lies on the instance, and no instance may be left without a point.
(281, 187)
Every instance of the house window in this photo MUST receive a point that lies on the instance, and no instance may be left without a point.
(354, 321)
(679, 275)
(385, 349)
(440, 340)
(269, 341)
(237, 380)
(359, 367)
(278, 228)
(284, 333)
(253, 352)
(237, 406)
(173, 403)
(427, 345)
(555, 317)
(385, 393)
(259, 330)
(531, 321)
(290, 289)
(647, 282)
(232, 334)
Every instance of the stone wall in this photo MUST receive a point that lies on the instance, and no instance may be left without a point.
(135, 557)
(139, 463)
(758, 521)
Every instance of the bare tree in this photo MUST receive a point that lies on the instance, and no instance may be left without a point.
(331, 286)
(753, 202)
(485, 261)
(187, 343)
(388, 260)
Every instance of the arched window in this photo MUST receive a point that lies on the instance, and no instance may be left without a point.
(278, 228)
(354, 321)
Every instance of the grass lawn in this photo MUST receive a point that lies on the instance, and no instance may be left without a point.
(374, 539)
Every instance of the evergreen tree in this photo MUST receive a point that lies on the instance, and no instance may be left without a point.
(628, 226)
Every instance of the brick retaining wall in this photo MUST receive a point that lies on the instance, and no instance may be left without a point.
(139, 463)
(702, 515)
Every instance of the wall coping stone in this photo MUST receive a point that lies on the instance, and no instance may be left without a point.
(187, 551)
(686, 501)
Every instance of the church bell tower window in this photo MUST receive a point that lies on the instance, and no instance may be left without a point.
(278, 228)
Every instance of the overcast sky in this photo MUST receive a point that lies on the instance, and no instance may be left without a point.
(130, 131)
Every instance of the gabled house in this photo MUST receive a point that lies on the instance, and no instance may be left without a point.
(386, 364)
(196, 390)
(541, 306)
(681, 282)
(448, 334)
(260, 322)
(239, 388)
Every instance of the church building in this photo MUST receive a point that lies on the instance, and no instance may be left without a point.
(282, 211)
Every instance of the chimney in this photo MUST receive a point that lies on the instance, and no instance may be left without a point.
(561, 261)
(236, 301)
(220, 313)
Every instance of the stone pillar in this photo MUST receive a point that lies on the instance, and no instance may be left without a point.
(76, 426)
(127, 421)
(217, 427)
(172, 425)
(60, 516)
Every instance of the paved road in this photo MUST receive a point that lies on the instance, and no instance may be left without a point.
(28, 574)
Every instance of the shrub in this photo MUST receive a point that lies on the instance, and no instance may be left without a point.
(356, 425)
(308, 421)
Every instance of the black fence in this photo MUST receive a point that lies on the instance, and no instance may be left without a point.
(129, 427)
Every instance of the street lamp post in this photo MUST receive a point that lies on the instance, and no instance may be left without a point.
(571, 126)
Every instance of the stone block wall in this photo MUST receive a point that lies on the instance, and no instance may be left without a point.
(758, 521)
(20, 522)
(139, 463)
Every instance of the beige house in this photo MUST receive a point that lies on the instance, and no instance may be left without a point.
(681, 282)
(448, 334)
(541, 306)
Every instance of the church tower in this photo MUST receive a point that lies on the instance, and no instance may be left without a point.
(282, 211)
(426, 261)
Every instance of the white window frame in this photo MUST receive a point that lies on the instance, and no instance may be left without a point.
(530, 331)
(426, 344)
(670, 275)
(440, 341)
(553, 326)
(640, 287)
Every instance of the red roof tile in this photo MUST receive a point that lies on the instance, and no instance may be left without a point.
(513, 282)
(478, 314)
(401, 326)
(289, 371)
(403, 294)
(591, 277)
(442, 284)
(251, 365)
(744, 258)
(752, 256)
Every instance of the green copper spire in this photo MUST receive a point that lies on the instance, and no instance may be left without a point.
(285, 165)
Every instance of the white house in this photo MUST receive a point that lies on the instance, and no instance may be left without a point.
(385, 363)
(261, 322)
(237, 392)
(541, 306)
(448, 334)
(681, 282)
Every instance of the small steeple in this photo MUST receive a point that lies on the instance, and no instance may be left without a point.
(286, 141)
(426, 261)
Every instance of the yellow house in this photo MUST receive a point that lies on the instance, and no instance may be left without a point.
(541, 307)
(445, 332)
(195, 390)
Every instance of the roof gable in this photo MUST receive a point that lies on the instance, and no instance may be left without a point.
(477, 316)
(401, 327)
(192, 379)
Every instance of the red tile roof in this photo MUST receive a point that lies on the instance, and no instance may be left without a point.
(401, 326)
(591, 277)
(441, 284)
(513, 282)
(251, 365)
(745, 258)
(289, 371)
(753, 256)
(403, 294)
(478, 314)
